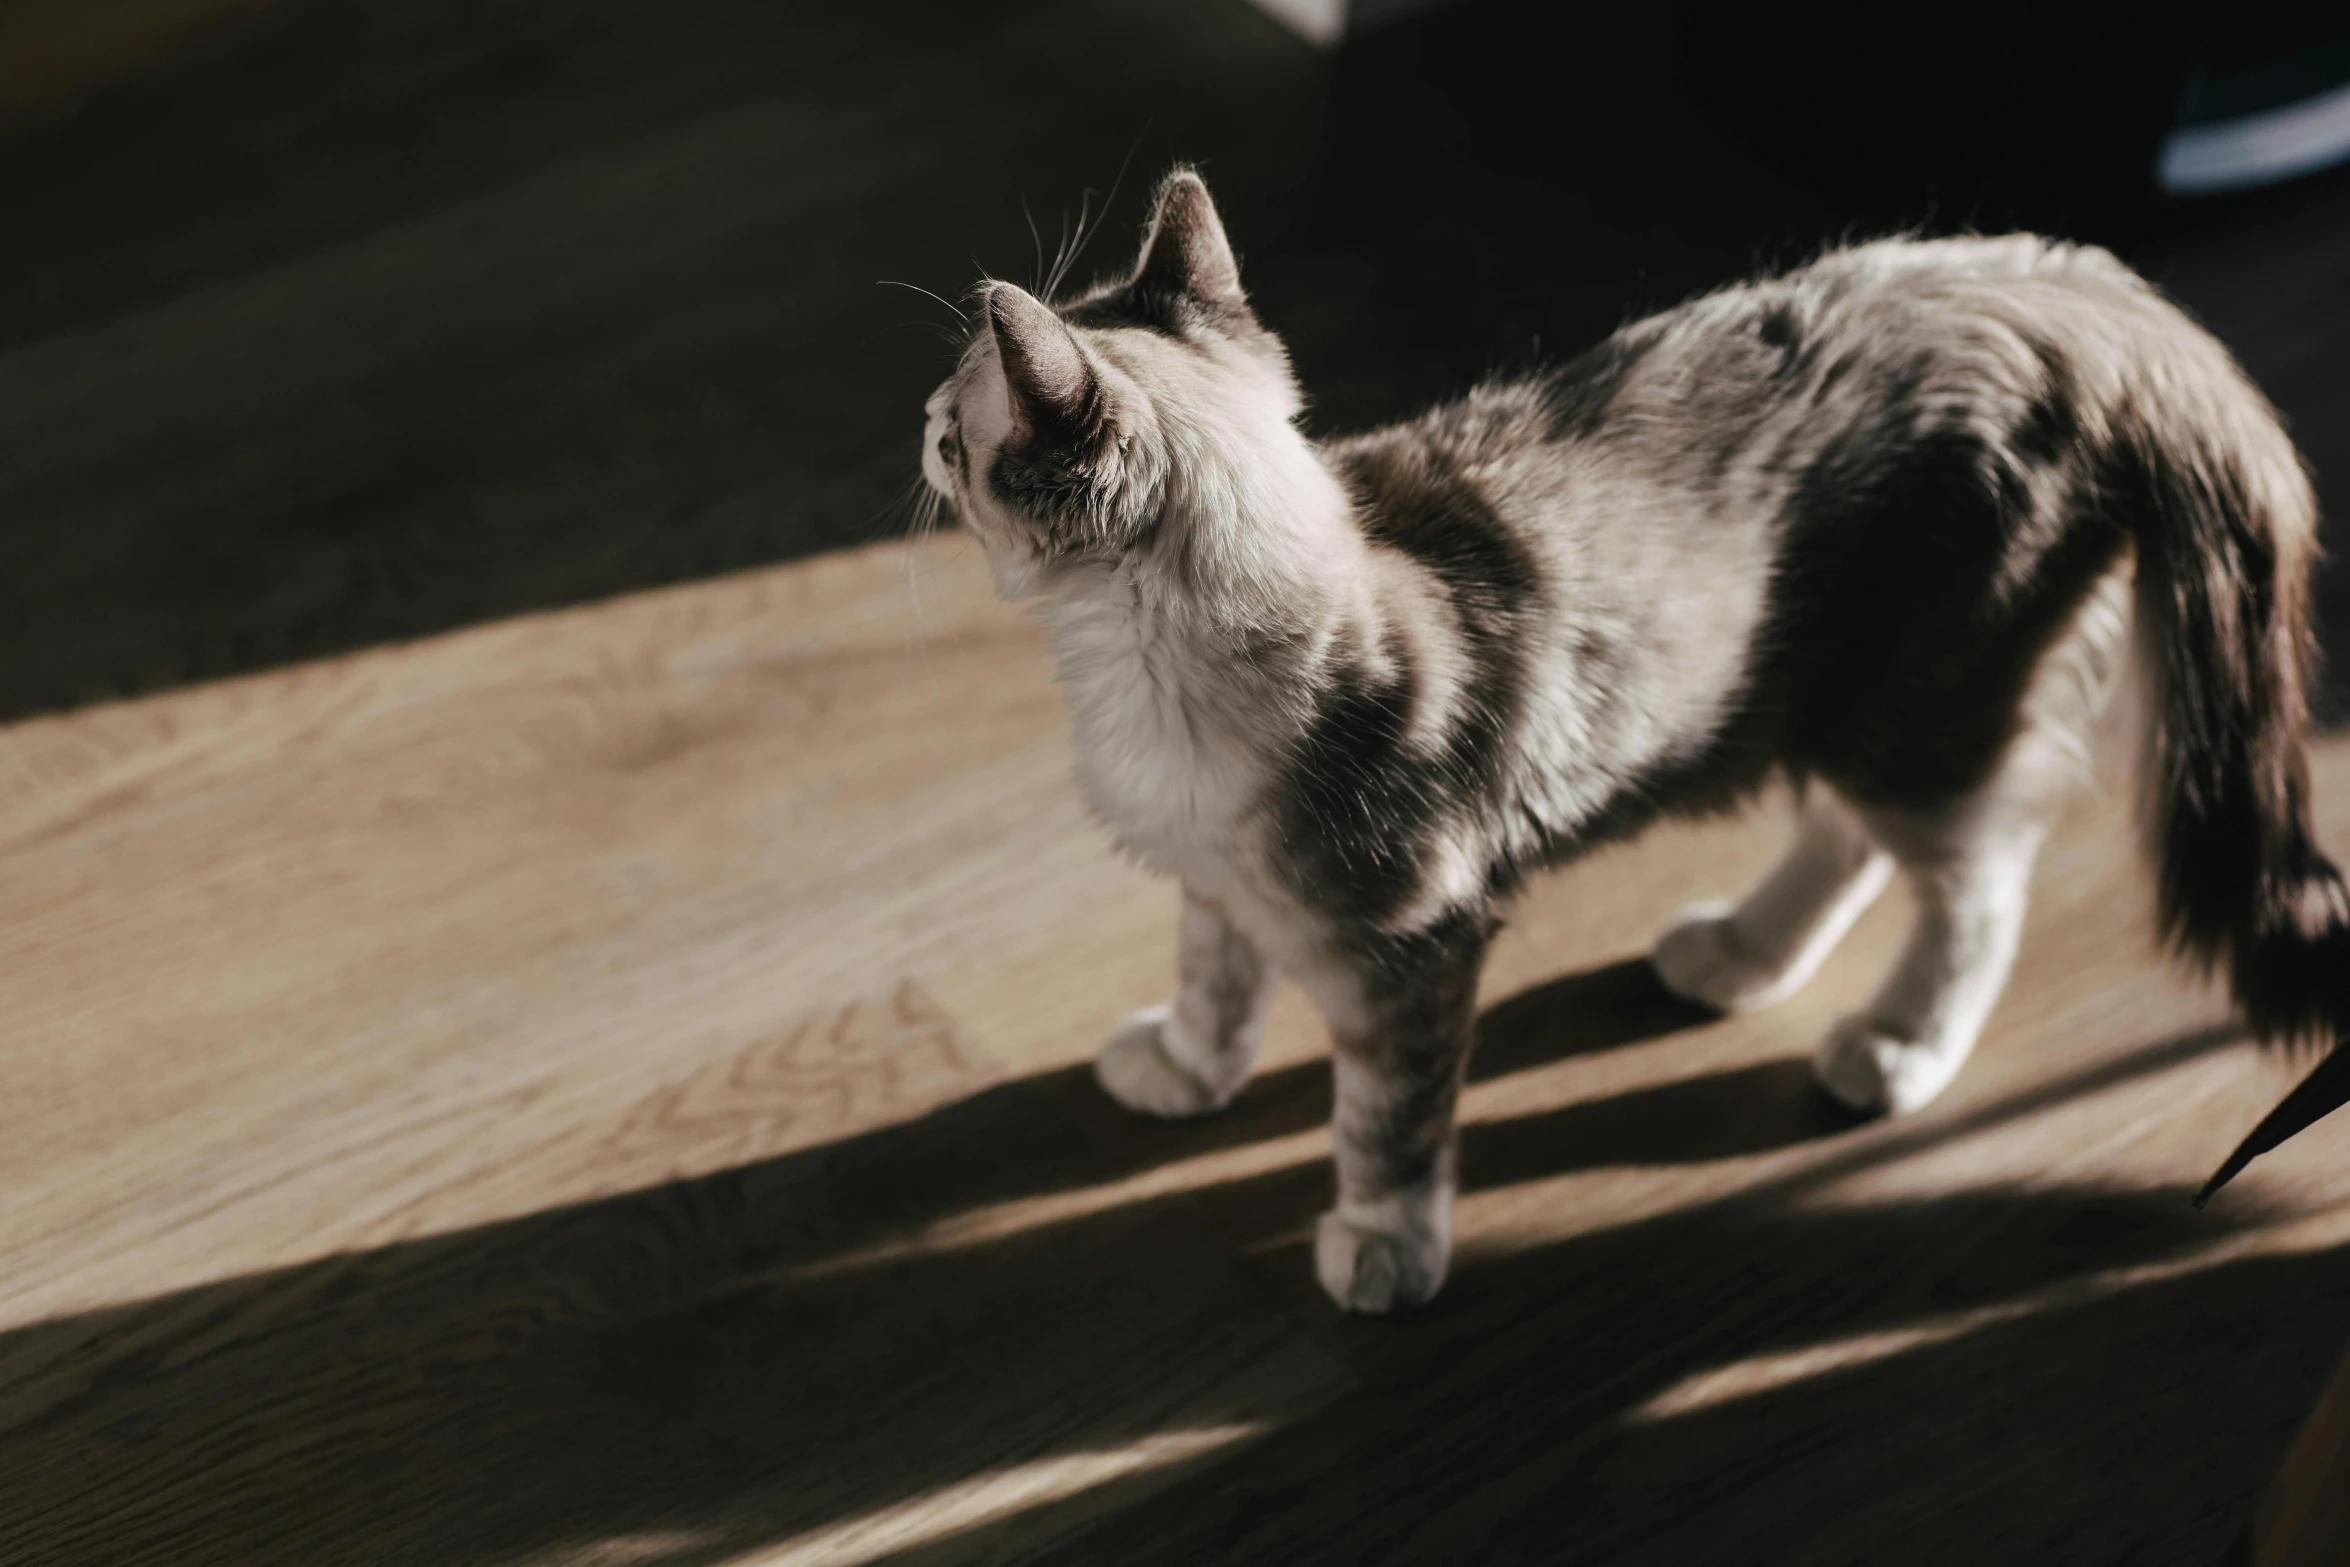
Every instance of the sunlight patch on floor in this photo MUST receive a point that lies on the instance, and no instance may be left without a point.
(1760, 1374)
(993, 1222)
(992, 1497)
(646, 1548)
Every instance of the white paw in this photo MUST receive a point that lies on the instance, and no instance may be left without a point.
(1700, 960)
(1136, 1069)
(1875, 1073)
(1386, 1264)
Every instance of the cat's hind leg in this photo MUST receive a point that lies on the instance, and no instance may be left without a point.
(1737, 959)
(1912, 1039)
(1970, 867)
(1969, 863)
(1193, 1055)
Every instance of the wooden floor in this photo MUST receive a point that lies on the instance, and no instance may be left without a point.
(606, 1088)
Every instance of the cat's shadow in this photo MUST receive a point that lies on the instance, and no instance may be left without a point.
(1714, 1115)
(717, 1364)
(1606, 1008)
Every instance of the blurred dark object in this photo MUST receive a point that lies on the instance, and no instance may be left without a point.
(2078, 117)
(2268, 99)
(2304, 1519)
(1546, 151)
(2004, 114)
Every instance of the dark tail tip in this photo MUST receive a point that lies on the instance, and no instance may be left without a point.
(2325, 1090)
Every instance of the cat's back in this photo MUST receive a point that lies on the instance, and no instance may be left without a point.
(1933, 326)
(1965, 304)
(1723, 395)
(1650, 487)
(1707, 417)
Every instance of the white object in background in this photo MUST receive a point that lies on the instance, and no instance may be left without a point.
(1327, 23)
(2259, 149)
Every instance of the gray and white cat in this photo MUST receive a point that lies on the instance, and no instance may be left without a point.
(1896, 526)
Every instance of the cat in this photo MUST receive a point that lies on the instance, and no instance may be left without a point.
(1896, 527)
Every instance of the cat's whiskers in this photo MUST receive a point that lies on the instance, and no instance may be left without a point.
(891, 282)
(1035, 246)
(1072, 243)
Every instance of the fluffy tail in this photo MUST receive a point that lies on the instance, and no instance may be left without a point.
(2226, 525)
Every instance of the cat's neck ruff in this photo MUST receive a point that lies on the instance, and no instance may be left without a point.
(1182, 675)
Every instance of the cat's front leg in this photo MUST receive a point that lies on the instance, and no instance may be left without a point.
(1192, 1056)
(1400, 1057)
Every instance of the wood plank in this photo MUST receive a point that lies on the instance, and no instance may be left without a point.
(425, 903)
(608, 1086)
(694, 1368)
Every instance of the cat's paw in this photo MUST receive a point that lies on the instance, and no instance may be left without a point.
(1381, 1264)
(1700, 959)
(1137, 1069)
(1870, 1070)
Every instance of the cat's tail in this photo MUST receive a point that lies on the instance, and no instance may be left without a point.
(2227, 527)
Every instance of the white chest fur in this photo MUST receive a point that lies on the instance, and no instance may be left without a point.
(1158, 749)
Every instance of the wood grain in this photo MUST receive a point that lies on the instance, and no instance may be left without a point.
(608, 1087)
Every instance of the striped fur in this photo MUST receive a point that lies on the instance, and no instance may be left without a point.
(1883, 526)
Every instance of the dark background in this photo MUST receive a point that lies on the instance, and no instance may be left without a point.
(325, 322)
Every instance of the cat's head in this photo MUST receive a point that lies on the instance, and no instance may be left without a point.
(1153, 413)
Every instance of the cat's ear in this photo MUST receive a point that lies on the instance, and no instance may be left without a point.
(1049, 380)
(1186, 251)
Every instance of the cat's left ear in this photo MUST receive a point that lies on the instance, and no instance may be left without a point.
(1047, 378)
(1186, 251)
